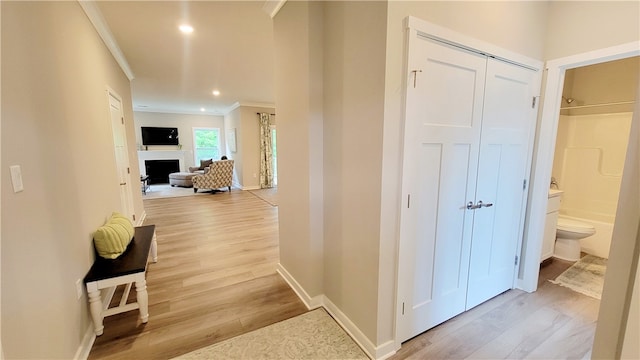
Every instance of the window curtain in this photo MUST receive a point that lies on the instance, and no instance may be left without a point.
(266, 156)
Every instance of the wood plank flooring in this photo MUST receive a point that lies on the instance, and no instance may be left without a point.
(551, 323)
(215, 278)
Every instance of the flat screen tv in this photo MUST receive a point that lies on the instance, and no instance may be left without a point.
(159, 136)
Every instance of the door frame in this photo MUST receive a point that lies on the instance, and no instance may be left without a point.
(415, 27)
(128, 203)
(545, 148)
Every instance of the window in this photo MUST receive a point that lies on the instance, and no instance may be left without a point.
(206, 144)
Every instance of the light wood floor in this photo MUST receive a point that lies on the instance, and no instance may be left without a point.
(215, 278)
(551, 323)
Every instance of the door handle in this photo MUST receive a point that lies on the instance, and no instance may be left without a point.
(124, 183)
(480, 204)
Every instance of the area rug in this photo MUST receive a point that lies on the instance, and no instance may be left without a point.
(268, 195)
(586, 276)
(312, 335)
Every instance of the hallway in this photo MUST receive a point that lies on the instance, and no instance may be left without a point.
(215, 278)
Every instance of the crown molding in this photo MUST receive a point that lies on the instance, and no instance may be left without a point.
(272, 7)
(95, 16)
(238, 104)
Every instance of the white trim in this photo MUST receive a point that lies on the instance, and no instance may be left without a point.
(142, 218)
(374, 352)
(238, 104)
(173, 111)
(310, 302)
(193, 139)
(272, 7)
(545, 148)
(90, 334)
(95, 16)
(417, 27)
(251, 187)
(87, 343)
(428, 29)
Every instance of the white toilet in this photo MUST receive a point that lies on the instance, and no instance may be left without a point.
(569, 231)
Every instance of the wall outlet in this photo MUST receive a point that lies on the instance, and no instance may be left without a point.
(79, 289)
(255, 175)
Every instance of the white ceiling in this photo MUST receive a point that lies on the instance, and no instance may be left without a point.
(231, 50)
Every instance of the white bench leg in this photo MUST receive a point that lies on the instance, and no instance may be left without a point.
(143, 298)
(154, 249)
(95, 306)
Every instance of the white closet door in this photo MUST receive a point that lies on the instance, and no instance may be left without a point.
(442, 136)
(507, 124)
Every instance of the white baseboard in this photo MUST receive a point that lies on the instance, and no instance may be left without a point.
(350, 328)
(310, 302)
(251, 188)
(374, 352)
(87, 342)
(90, 335)
(142, 217)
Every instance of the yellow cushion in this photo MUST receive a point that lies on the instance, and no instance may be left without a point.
(112, 239)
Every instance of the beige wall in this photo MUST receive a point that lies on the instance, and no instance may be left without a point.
(298, 41)
(576, 27)
(232, 121)
(615, 306)
(354, 53)
(631, 345)
(610, 82)
(56, 126)
(247, 156)
(185, 124)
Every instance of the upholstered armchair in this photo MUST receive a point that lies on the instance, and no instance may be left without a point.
(218, 174)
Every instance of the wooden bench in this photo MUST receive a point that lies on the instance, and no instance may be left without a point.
(128, 268)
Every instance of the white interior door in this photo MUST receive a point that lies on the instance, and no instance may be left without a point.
(508, 122)
(442, 136)
(121, 155)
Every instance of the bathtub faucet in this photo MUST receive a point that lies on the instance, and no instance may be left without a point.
(554, 182)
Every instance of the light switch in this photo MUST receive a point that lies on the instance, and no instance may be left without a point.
(16, 178)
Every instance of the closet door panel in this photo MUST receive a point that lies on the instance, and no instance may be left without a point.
(442, 132)
(508, 119)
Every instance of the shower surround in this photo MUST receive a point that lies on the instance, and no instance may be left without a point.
(589, 159)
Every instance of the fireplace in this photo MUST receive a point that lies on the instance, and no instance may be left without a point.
(159, 170)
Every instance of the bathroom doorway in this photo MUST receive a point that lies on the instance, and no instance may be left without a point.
(591, 143)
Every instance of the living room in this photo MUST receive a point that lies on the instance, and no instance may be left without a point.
(240, 123)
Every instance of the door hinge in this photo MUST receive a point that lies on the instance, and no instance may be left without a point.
(533, 102)
(128, 171)
(403, 308)
(134, 217)
(524, 184)
(516, 262)
(122, 119)
(408, 201)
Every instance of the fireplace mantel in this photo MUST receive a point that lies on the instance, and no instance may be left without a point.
(160, 155)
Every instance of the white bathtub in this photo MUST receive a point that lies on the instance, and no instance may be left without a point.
(597, 244)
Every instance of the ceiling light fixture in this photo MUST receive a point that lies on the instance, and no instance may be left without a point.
(202, 109)
(186, 29)
(216, 92)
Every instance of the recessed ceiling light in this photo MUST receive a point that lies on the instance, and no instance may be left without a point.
(202, 109)
(187, 29)
(216, 92)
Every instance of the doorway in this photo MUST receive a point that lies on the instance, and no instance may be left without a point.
(623, 252)
(121, 154)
